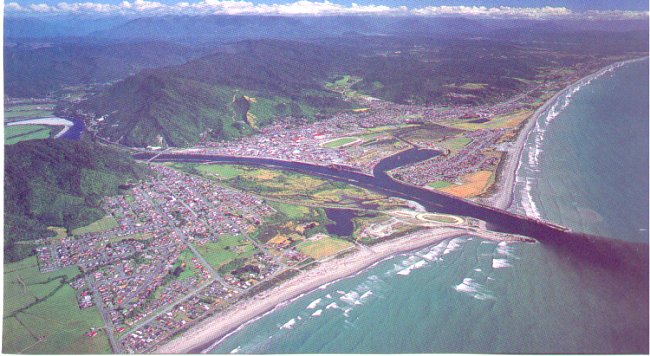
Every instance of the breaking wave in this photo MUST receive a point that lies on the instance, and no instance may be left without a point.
(475, 289)
(526, 178)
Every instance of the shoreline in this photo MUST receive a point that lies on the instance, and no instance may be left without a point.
(503, 195)
(211, 331)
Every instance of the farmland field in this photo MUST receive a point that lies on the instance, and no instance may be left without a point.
(226, 249)
(339, 142)
(41, 311)
(18, 133)
(104, 224)
(323, 247)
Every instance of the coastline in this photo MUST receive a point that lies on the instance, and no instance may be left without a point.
(504, 186)
(202, 336)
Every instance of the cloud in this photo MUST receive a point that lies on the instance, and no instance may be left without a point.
(14, 7)
(312, 8)
(496, 12)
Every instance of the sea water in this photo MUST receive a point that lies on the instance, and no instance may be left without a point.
(586, 162)
(588, 172)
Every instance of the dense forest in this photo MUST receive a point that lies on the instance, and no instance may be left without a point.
(175, 105)
(37, 70)
(57, 183)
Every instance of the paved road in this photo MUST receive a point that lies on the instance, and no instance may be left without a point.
(252, 240)
(108, 325)
(187, 242)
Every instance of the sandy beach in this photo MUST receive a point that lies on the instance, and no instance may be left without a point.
(505, 182)
(204, 334)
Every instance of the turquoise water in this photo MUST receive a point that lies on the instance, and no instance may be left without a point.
(586, 165)
(473, 296)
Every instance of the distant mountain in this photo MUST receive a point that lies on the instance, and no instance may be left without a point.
(215, 28)
(226, 95)
(57, 183)
(37, 69)
(16, 28)
(247, 84)
(224, 28)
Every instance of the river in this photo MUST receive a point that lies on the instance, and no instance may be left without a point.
(572, 293)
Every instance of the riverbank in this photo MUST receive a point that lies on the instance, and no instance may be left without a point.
(504, 186)
(204, 334)
(51, 121)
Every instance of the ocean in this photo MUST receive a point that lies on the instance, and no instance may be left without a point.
(586, 168)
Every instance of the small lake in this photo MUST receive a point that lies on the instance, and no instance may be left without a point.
(342, 221)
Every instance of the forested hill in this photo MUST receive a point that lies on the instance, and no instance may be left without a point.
(248, 84)
(37, 70)
(213, 94)
(57, 183)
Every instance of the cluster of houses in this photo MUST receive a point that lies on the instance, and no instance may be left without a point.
(469, 159)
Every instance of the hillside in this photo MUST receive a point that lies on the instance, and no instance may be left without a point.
(209, 96)
(37, 69)
(175, 105)
(57, 183)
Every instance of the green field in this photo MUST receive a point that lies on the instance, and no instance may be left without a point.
(189, 270)
(43, 306)
(104, 224)
(14, 113)
(292, 211)
(226, 249)
(340, 142)
(220, 171)
(61, 232)
(455, 144)
(439, 184)
(17, 133)
(323, 247)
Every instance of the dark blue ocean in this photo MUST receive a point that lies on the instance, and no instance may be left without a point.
(586, 167)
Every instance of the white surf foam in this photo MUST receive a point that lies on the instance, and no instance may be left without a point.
(313, 304)
(332, 306)
(236, 350)
(500, 263)
(317, 312)
(289, 324)
(406, 271)
(365, 295)
(475, 289)
(453, 245)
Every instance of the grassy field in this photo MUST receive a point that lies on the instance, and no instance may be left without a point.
(104, 224)
(18, 133)
(284, 185)
(503, 121)
(61, 232)
(186, 258)
(455, 144)
(323, 247)
(14, 113)
(340, 142)
(220, 171)
(226, 249)
(474, 184)
(41, 315)
(473, 86)
(292, 211)
(439, 184)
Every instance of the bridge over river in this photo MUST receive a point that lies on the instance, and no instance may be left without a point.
(599, 251)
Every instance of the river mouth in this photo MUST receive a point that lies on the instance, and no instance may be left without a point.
(592, 250)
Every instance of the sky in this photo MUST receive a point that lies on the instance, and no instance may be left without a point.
(532, 9)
